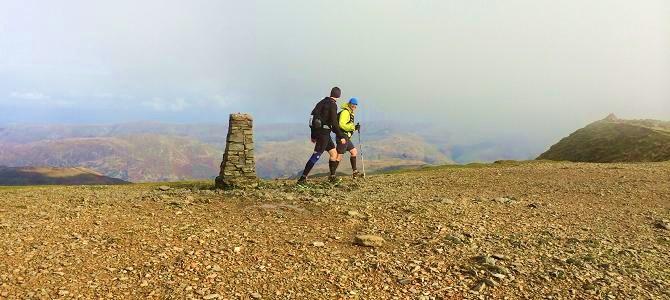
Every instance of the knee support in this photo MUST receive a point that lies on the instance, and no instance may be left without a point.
(314, 158)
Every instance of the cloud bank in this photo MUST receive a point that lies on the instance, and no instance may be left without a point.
(533, 69)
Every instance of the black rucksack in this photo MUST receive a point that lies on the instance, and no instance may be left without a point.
(316, 117)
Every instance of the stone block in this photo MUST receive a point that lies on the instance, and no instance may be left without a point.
(235, 147)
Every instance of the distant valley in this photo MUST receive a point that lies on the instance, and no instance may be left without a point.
(149, 151)
(57, 176)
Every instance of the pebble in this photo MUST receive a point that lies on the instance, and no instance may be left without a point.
(485, 260)
(499, 256)
(318, 244)
(663, 224)
(237, 249)
(164, 188)
(499, 269)
(211, 296)
(480, 286)
(447, 201)
(368, 240)
(456, 238)
(502, 200)
(256, 296)
(490, 282)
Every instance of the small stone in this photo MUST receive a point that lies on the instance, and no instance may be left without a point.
(499, 256)
(318, 244)
(480, 286)
(237, 249)
(256, 296)
(355, 214)
(447, 201)
(456, 238)
(368, 240)
(490, 282)
(663, 224)
(485, 260)
(164, 188)
(498, 269)
(211, 296)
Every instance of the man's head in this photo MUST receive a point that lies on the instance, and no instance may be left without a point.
(335, 93)
(353, 103)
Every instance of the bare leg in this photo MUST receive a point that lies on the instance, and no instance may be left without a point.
(352, 159)
(333, 162)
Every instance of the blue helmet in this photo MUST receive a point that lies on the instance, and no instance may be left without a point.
(353, 101)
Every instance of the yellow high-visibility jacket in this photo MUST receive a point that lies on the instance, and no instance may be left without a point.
(346, 120)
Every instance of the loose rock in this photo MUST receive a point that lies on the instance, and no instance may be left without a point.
(367, 240)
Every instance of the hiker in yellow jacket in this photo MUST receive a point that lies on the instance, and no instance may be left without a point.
(347, 126)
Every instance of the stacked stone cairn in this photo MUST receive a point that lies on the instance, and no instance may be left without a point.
(238, 168)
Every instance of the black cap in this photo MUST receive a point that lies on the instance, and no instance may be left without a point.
(335, 92)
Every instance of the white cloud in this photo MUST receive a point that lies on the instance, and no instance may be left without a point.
(38, 98)
(161, 104)
(29, 95)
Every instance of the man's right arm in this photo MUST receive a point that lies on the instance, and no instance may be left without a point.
(334, 121)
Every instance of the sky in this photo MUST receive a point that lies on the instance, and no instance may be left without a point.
(523, 68)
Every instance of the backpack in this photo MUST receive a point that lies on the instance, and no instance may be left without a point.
(316, 117)
(351, 116)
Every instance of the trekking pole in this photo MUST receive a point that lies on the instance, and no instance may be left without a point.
(360, 144)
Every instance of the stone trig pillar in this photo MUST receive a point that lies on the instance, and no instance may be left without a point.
(238, 167)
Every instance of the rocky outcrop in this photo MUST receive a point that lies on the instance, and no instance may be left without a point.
(238, 167)
(615, 140)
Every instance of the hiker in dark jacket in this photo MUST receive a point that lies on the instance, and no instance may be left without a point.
(325, 113)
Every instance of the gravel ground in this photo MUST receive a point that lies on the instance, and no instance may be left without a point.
(534, 230)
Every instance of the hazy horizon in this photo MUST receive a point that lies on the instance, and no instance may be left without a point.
(525, 68)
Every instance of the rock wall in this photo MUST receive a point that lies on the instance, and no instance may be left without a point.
(238, 167)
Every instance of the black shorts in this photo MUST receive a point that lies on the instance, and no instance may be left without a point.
(348, 146)
(323, 143)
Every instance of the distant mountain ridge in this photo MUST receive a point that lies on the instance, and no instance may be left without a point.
(152, 151)
(49, 176)
(615, 140)
(140, 157)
